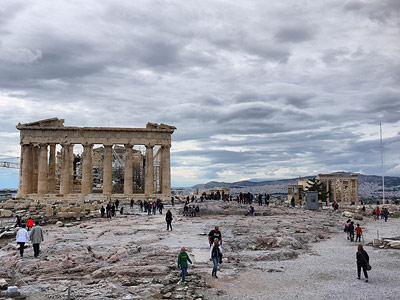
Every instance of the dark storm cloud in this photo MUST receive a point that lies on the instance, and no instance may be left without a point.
(294, 34)
(380, 11)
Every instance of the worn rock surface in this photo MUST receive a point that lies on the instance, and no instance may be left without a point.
(134, 257)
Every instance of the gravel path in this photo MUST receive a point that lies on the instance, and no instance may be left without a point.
(328, 271)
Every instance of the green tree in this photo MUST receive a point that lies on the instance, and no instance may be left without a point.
(315, 185)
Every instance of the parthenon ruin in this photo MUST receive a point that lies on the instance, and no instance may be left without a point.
(39, 159)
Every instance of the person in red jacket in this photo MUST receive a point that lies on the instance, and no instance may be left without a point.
(358, 233)
(377, 213)
(29, 224)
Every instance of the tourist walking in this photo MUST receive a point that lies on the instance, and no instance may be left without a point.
(131, 204)
(116, 204)
(102, 211)
(358, 233)
(113, 210)
(19, 223)
(351, 231)
(22, 238)
(172, 200)
(213, 234)
(108, 210)
(346, 228)
(183, 259)
(250, 211)
(215, 256)
(377, 213)
(168, 218)
(362, 262)
(36, 237)
(29, 224)
(141, 205)
(160, 207)
(292, 202)
(386, 214)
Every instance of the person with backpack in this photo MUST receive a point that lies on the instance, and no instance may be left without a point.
(362, 262)
(183, 259)
(215, 256)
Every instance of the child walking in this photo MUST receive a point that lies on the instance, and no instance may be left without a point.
(183, 259)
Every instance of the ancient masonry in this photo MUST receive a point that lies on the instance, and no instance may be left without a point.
(340, 187)
(38, 175)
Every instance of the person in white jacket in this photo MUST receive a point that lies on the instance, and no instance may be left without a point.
(22, 238)
(215, 256)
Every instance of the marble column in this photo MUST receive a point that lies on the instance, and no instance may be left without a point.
(26, 161)
(42, 170)
(334, 190)
(65, 186)
(71, 168)
(51, 176)
(107, 170)
(128, 175)
(342, 194)
(35, 169)
(87, 169)
(149, 175)
(356, 190)
(166, 170)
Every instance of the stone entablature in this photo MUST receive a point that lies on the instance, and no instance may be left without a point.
(38, 143)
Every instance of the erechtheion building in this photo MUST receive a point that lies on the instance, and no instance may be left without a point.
(43, 171)
(341, 187)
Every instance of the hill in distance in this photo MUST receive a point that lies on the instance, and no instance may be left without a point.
(370, 186)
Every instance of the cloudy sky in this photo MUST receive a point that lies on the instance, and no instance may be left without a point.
(256, 89)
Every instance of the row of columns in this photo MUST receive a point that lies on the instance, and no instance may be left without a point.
(38, 170)
(352, 186)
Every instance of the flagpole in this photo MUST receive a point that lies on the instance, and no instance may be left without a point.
(383, 176)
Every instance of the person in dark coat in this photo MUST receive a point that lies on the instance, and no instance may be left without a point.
(19, 222)
(215, 256)
(108, 210)
(362, 262)
(351, 231)
(168, 218)
(113, 210)
(102, 210)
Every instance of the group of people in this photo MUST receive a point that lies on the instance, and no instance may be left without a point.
(35, 235)
(362, 257)
(215, 241)
(191, 211)
(384, 213)
(151, 207)
(350, 229)
(111, 209)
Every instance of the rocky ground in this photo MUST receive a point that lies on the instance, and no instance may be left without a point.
(134, 257)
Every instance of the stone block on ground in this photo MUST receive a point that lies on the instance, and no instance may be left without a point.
(3, 284)
(6, 213)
